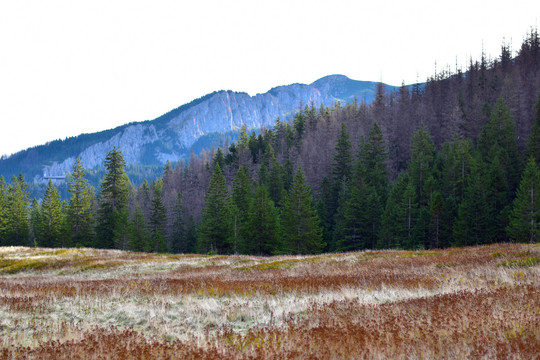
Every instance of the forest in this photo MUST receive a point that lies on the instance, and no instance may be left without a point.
(453, 162)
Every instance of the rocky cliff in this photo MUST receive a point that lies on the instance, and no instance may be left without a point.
(172, 135)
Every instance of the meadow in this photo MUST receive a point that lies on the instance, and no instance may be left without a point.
(459, 303)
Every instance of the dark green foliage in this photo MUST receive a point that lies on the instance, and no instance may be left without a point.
(302, 233)
(373, 156)
(17, 228)
(113, 200)
(216, 230)
(525, 216)
(534, 139)
(262, 225)
(50, 219)
(399, 216)
(139, 237)
(158, 218)
(499, 139)
(472, 224)
(423, 155)
(341, 168)
(179, 240)
(80, 215)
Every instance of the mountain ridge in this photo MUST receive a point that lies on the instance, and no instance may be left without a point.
(172, 135)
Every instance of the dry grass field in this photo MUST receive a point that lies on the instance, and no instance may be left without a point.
(476, 302)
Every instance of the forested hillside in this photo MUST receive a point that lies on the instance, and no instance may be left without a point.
(454, 162)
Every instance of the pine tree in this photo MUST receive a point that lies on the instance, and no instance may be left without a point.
(139, 237)
(342, 166)
(113, 199)
(262, 226)
(215, 231)
(179, 234)
(352, 219)
(500, 133)
(398, 220)
(302, 233)
(525, 216)
(471, 225)
(423, 155)
(533, 146)
(81, 218)
(241, 197)
(158, 218)
(17, 227)
(35, 221)
(373, 156)
(51, 219)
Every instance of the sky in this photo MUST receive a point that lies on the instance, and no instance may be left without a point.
(72, 67)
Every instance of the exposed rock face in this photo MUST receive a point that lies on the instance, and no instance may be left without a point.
(171, 136)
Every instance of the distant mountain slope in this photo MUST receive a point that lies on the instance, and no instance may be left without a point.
(173, 135)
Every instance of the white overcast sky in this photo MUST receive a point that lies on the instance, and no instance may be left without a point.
(68, 67)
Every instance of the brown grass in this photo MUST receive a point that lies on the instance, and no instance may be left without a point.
(477, 302)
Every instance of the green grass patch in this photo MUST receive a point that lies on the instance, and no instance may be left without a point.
(525, 262)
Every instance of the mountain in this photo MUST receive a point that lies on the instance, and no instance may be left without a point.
(190, 127)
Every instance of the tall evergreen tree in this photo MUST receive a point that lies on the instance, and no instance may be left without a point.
(17, 227)
(373, 156)
(158, 218)
(525, 216)
(50, 229)
(241, 196)
(500, 133)
(398, 220)
(262, 226)
(179, 234)
(139, 239)
(81, 218)
(422, 157)
(113, 199)
(534, 140)
(215, 231)
(342, 166)
(302, 233)
(471, 225)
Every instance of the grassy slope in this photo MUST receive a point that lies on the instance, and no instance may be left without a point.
(455, 303)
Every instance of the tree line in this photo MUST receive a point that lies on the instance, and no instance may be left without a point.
(451, 163)
(461, 194)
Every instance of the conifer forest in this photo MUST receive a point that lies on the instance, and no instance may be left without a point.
(406, 228)
(451, 162)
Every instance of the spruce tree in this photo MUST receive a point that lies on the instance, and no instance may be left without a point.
(51, 219)
(80, 214)
(216, 231)
(158, 218)
(422, 157)
(500, 133)
(17, 227)
(525, 216)
(533, 146)
(241, 197)
(373, 156)
(397, 219)
(302, 233)
(342, 166)
(139, 239)
(179, 234)
(262, 226)
(472, 224)
(113, 200)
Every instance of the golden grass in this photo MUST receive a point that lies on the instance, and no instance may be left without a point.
(476, 302)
